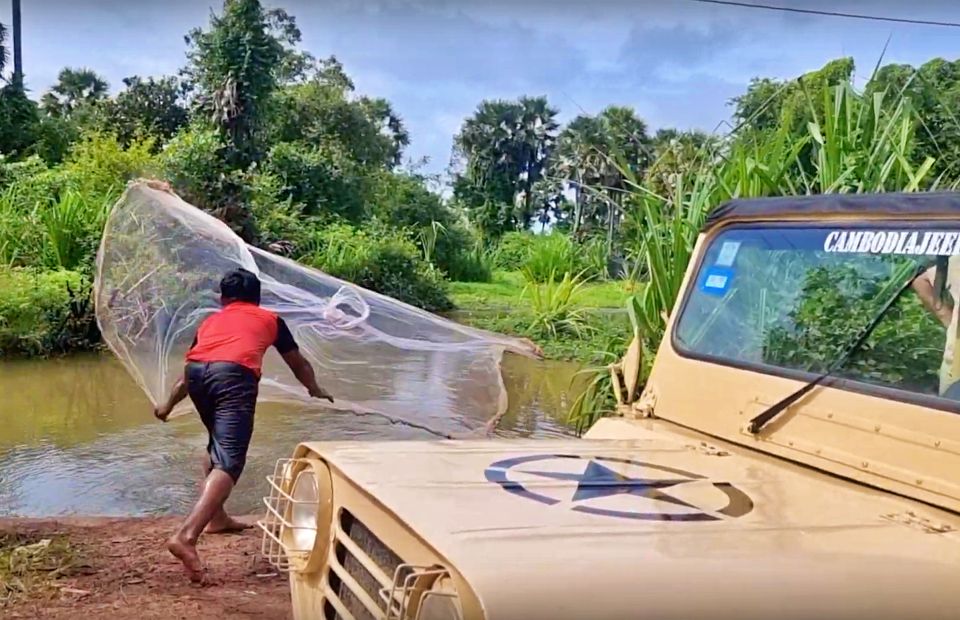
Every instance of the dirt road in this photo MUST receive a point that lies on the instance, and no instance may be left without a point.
(118, 568)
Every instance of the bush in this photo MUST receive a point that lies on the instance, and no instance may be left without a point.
(459, 254)
(474, 264)
(281, 226)
(555, 304)
(551, 256)
(99, 164)
(55, 137)
(379, 260)
(44, 313)
(322, 179)
(514, 250)
(193, 162)
(592, 255)
(12, 172)
(44, 223)
(402, 201)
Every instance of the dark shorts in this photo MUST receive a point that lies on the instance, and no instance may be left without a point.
(225, 395)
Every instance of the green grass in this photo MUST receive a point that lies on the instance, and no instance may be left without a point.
(506, 288)
(590, 347)
(499, 306)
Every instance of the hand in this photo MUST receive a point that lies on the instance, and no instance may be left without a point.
(161, 413)
(318, 392)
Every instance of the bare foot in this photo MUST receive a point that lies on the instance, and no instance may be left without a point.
(186, 553)
(229, 525)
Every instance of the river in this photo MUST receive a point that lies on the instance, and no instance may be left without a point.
(77, 437)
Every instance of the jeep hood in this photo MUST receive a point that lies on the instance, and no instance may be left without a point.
(661, 526)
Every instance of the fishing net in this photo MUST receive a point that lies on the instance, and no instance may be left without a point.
(158, 270)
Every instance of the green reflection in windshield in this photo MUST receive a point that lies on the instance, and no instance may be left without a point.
(775, 296)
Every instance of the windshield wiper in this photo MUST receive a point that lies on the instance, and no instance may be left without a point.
(757, 423)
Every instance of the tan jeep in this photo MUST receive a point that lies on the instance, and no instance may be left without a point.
(795, 453)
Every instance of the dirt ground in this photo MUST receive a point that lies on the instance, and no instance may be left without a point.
(119, 568)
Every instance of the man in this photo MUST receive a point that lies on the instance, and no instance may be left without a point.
(946, 311)
(222, 376)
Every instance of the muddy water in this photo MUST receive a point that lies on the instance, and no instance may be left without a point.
(77, 437)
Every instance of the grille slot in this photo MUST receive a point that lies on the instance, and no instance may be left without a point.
(357, 575)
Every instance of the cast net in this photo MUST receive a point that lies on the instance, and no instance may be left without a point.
(158, 270)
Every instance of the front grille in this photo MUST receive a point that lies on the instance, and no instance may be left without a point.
(358, 571)
(376, 550)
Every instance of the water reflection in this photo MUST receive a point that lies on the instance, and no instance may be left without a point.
(77, 437)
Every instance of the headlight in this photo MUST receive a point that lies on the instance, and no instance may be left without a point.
(301, 535)
(440, 602)
(299, 509)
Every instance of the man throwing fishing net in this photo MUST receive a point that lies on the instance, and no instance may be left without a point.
(222, 376)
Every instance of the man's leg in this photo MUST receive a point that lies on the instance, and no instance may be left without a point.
(221, 523)
(183, 544)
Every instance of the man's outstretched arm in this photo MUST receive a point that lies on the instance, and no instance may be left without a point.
(303, 371)
(287, 348)
(177, 393)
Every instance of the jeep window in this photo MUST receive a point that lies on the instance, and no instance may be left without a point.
(793, 298)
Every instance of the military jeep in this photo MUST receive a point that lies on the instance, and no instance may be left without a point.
(794, 453)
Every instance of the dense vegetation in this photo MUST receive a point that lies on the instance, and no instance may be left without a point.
(279, 145)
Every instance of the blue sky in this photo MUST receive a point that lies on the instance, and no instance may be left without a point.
(676, 62)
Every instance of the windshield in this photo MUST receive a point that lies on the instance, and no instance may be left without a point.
(794, 298)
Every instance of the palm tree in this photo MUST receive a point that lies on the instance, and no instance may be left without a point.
(628, 151)
(578, 160)
(534, 137)
(17, 58)
(74, 88)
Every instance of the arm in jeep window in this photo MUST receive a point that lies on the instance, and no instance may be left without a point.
(923, 286)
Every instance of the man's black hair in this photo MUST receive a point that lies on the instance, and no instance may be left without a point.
(240, 285)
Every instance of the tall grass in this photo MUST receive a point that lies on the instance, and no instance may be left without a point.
(555, 304)
(71, 225)
(551, 256)
(53, 232)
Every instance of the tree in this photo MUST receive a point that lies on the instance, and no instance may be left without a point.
(536, 137)
(594, 155)
(75, 88)
(576, 163)
(18, 120)
(17, 55)
(759, 108)
(147, 108)
(236, 66)
(678, 153)
(502, 150)
(324, 110)
(770, 104)
(934, 93)
(3, 49)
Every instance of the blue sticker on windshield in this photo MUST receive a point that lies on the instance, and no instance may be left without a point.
(716, 280)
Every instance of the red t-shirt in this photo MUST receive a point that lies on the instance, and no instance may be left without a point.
(240, 333)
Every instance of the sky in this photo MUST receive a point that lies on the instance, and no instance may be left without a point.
(676, 62)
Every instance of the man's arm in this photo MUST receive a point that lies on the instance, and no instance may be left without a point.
(297, 363)
(177, 393)
(931, 301)
(303, 371)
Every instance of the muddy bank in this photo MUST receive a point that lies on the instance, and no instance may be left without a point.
(96, 568)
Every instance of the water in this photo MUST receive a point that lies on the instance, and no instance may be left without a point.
(78, 437)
